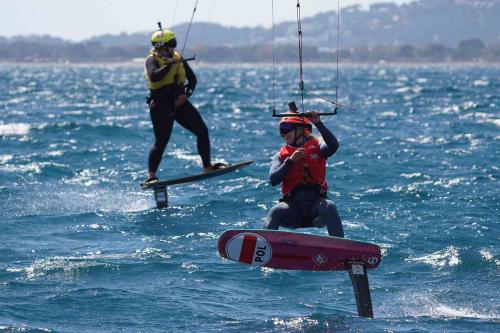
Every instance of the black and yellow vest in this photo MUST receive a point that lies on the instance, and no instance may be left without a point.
(176, 74)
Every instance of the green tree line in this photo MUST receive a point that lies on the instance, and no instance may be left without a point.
(470, 50)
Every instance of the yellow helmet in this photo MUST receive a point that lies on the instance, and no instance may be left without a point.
(163, 37)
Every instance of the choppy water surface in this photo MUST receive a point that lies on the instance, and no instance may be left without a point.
(83, 250)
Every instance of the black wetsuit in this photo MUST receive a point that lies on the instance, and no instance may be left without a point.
(306, 206)
(163, 113)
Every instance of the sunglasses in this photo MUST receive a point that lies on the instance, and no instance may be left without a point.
(286, 128)
(170, 43)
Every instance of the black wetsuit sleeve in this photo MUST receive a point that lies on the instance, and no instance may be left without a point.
(154, 71)
(330, 144)
(279, 169)
(191, 79)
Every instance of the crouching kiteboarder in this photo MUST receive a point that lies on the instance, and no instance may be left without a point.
(300, 167)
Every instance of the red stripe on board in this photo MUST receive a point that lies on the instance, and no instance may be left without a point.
(248, 249)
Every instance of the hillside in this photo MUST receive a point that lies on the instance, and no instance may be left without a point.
(422, 22)
(421, 31)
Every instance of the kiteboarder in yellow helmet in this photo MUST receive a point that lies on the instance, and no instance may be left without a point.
(166, 75)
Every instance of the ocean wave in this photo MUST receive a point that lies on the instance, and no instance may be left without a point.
(388, 114)
(5, 158)
(427, 305)
(489, 256)
(295, 323)
(482, 118)
(405, 90)
(30, 168)
(448, 257)
(451, 182)
(416, 173)
(71, 266)
(25, 328)
(71, 199)
(481, 83)
(14, 129)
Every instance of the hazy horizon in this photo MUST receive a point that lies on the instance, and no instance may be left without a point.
(77, 21)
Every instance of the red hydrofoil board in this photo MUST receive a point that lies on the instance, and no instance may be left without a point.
(296, 251)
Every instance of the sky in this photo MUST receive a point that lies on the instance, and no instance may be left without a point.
(78, 20)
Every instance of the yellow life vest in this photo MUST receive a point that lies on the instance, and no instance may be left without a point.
(176, 73)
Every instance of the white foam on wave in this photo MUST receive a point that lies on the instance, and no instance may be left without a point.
(355, 225)
(208, 235)
(426, 305)
(448, 183)
(185, 155)
(85, 177)
(119, 118)
(93, 226)
(411, 187)
(5, 158)
(17, 113)
(63, 266)
(449, 256)
(77, 199)
(411, 175)
(14, 129)
(469, 105)
(373, 190)
(450, 109)
(15, 100)
(267, 271)
(87, 193)
(55, 153)
(298, 323)
(68, 266)
(24, 328)
(489, 256)
(426, 139)
(421, 139)
(30, 168)
(388, 114)
(481, 83)
(190, 267)
(405, 90)
(482, 118)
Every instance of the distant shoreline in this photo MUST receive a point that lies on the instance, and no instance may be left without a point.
(259, 64)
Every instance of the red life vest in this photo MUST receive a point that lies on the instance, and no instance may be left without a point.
(309, 170)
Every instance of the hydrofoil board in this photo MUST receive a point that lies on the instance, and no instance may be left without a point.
(160, 187)
(296, 251)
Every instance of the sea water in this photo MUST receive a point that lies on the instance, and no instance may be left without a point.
(83, 249)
